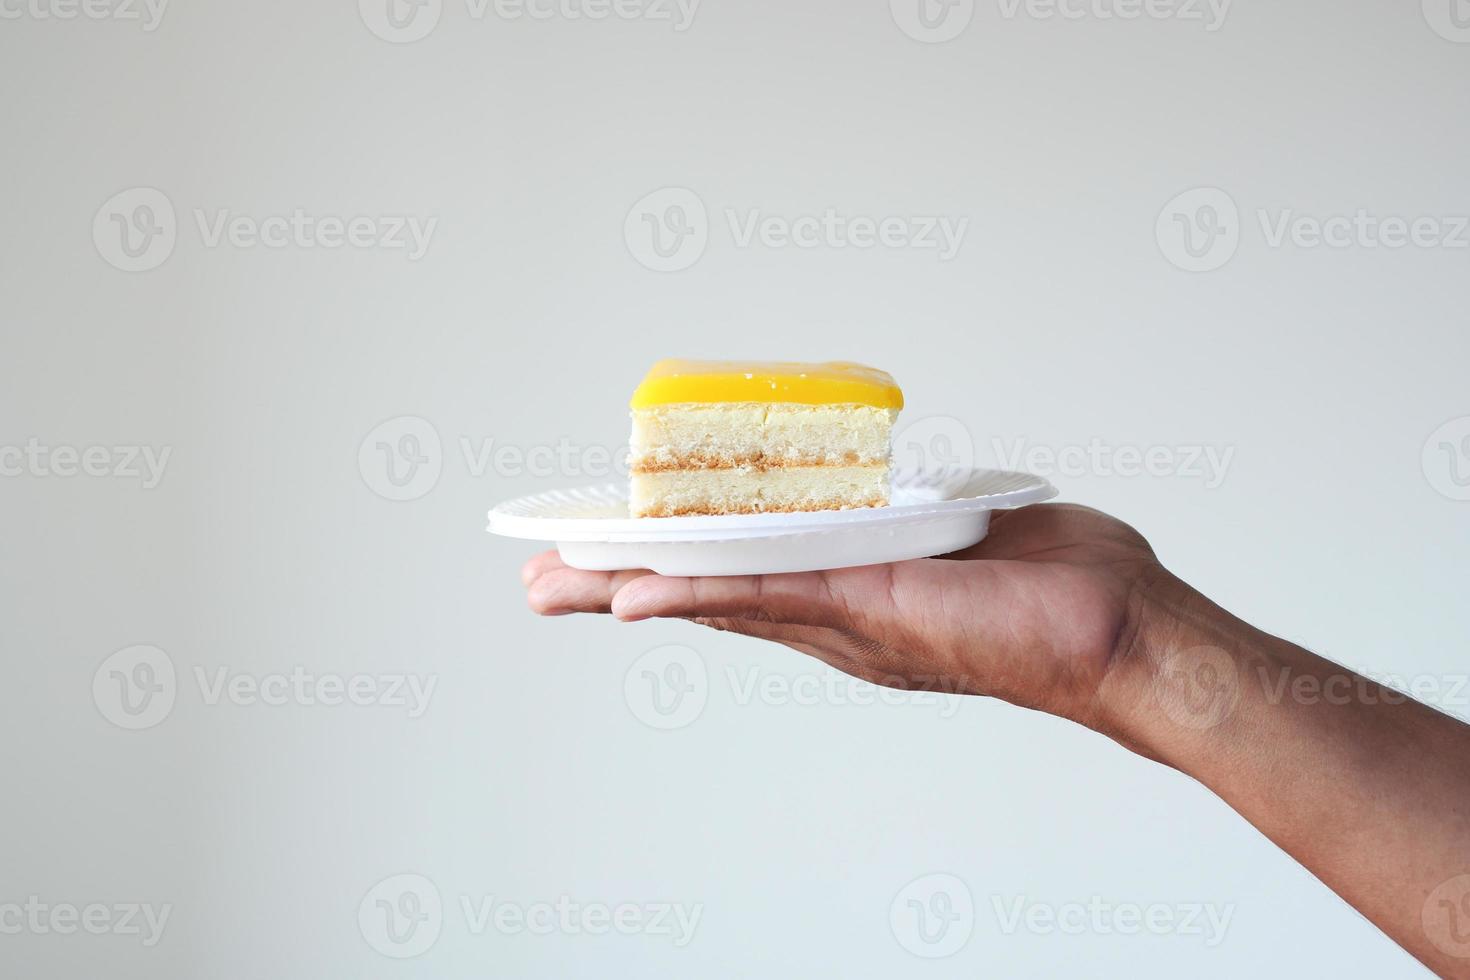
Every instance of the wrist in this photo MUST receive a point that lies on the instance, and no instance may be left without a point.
(1176, 682)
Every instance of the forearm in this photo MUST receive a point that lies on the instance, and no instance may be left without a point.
(1366, 788)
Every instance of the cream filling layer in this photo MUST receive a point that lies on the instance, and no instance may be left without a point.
(681, 492)
(761, 436)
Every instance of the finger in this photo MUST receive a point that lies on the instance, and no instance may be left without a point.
(541, 564)
(563, 590)
(804, 598)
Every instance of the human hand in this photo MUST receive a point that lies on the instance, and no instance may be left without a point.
(1067, 610)
(1037, 614)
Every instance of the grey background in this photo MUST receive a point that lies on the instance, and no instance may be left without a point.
(265, 547)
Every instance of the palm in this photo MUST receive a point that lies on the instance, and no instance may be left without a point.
(1032, 614)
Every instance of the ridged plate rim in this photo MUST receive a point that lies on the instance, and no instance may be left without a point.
(599, 512)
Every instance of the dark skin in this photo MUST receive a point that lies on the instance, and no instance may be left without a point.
(1066, 610)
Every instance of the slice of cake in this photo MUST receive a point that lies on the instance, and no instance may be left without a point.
(733, 437)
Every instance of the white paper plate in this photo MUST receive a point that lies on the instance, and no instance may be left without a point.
(927, 517)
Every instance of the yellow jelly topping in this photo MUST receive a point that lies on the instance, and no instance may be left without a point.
(674, 382)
